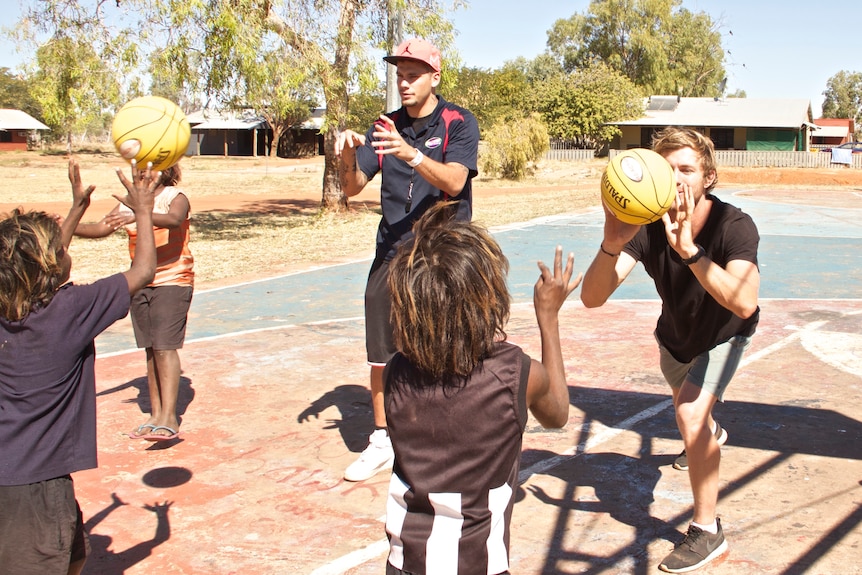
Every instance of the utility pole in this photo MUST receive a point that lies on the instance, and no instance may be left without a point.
(393, 38)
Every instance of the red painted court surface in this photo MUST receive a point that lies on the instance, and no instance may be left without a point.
(271, 418)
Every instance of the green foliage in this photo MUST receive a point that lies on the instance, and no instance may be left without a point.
(15, 93)
(494, 96)
(576, 107)
(73, 87)
(512, 147)
(364, 108)
(843, 97)
(661, 48)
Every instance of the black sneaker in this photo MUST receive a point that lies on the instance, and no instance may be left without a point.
(681, 461)
(696, 550)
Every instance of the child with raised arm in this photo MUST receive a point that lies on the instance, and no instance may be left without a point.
(160, 310)
(457, 396)
(47, 374)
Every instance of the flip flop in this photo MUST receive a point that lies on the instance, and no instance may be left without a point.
(151, 437)
(138, 433)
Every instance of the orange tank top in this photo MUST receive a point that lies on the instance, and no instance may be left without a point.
(174, 261)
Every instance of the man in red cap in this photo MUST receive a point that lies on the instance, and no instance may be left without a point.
(426, 151)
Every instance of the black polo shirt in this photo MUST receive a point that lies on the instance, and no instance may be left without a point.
(451, 134)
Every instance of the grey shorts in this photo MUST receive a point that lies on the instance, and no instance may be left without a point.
(711, 371)
(41, 528)
(159, 316)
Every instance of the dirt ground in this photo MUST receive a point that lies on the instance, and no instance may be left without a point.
(793, 181)
(790, 178)
(550, 176)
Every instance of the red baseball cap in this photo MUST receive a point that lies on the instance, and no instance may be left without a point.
(416, 49)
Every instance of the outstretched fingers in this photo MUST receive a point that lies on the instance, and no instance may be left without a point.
(553, 287)
(140, 190)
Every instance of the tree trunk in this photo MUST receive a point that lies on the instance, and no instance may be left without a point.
(335, 93)
(334, 199)
(277, 131)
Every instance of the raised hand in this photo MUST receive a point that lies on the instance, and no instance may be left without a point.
(140, 190)
(80, 194)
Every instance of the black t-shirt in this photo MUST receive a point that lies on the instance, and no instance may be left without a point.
(691, 321)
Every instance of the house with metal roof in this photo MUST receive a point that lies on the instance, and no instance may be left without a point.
(832, 132)
(755, 124)
(245, 133)
(227, 134)
(17, 128)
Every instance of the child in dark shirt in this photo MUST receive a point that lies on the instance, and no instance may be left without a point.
(47, 374)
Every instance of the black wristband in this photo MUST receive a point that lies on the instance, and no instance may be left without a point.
(693, 259)
(606, 252)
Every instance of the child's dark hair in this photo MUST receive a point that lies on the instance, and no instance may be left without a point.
(171, 176)
(450, 301)
(31, 256)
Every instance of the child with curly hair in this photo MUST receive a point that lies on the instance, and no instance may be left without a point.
(47, 374)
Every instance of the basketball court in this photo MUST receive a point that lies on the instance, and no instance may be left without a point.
(275, 405)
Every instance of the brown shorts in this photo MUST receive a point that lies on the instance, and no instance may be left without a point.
(159, 316)
(41, 528)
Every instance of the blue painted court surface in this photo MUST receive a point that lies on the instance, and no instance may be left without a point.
(806, 252)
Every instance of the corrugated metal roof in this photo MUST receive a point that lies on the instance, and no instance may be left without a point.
(213, 120)
(231, 124)
(830, 132)
(315, 121)
(729, 113)
(18, 120)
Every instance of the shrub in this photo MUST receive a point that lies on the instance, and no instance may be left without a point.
(513, 147)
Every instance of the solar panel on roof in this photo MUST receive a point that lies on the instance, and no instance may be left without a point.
(664, 103)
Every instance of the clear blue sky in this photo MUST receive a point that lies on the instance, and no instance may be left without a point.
(778, 48)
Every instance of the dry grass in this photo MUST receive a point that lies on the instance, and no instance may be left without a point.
(232, 243)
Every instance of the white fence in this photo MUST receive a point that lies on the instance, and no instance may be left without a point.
(738, 158)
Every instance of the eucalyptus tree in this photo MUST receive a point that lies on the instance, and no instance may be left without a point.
(275, 56)
(843, 97)
(579, 106)
(658, 45)
(79, 56)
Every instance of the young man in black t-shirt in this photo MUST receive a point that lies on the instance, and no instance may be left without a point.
(702, 256)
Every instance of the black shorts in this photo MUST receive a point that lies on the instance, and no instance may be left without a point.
(379, 343)
(41, 528)
(159, 316)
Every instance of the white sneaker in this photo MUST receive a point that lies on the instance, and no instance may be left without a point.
(376, 457)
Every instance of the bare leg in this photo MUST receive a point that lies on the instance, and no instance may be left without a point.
(155, 399)
(76, 567)
(377, 402)
(694, 419)
(164, 387)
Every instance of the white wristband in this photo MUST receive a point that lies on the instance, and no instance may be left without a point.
(417, 160)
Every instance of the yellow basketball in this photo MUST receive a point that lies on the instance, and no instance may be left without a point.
(151, 129)
(638, 186)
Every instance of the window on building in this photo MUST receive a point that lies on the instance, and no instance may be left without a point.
(722, 138)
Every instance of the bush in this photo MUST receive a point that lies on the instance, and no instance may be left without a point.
(513, 147)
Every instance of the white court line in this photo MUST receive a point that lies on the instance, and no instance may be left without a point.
(242, 333)
(360, 556)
